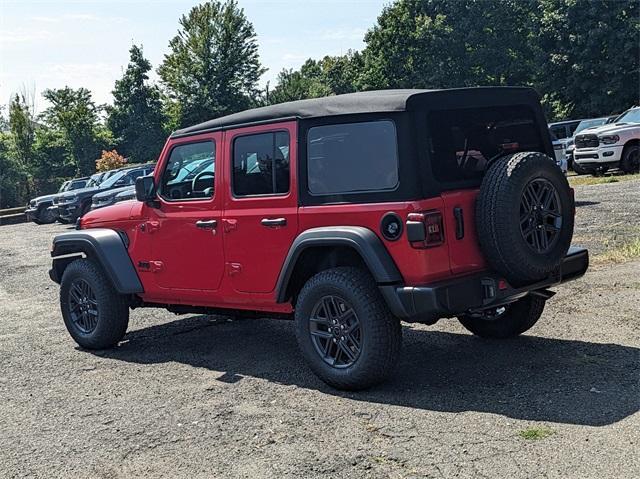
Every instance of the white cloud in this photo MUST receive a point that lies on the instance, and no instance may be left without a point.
(22, 35)
(343, 34)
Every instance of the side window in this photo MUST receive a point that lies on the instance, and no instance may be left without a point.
(190, 172)
(352, 158)
(131, 177)
(261, 164)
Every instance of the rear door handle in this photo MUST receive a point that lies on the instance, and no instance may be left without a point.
(206, 224)
(273, 222)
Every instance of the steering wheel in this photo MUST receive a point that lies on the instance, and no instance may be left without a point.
(198, 176)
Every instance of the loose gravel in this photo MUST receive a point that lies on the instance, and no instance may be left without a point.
(194, 396)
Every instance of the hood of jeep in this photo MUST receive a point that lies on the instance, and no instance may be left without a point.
(123, 211)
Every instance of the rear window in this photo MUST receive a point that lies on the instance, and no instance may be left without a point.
(352, 158)
(463, 142)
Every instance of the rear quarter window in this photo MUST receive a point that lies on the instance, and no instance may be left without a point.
(352, 158)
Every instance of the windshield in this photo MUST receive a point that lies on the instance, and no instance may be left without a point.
(629, 116)
(64, 187)
(94, 180)
(109, 182)
(76, 185)
(584, 124)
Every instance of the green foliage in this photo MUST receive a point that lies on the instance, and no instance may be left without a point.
(589, 53)
(13, 178)
(329, 76)
(445, 44)
(136, 118)
(212, 68)
(75, 116)
(22, 127)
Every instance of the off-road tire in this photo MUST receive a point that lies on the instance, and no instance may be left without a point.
(499, 210)
(630, 162)
(112, 307)
(579, 170)
(518, 318)
(45, 217)
(381, 331)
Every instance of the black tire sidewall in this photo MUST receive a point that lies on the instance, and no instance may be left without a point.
(364, 372)
(112, 315)
(625, 164)
(498, 218)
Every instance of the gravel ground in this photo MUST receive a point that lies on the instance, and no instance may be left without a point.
(193, 396)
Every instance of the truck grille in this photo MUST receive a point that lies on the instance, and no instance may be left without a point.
(587, 141)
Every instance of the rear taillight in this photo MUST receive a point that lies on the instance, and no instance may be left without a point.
(425, 230)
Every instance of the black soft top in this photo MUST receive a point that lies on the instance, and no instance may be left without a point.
(377, 101)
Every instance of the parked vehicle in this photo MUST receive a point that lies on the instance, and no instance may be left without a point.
(73, 205)
(564, 129)
(347, 214)
(584, 125)
(115, 195)
(615, 145)
(39, 209)
(558, 152)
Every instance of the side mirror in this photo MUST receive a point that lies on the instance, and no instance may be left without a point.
(145, 189)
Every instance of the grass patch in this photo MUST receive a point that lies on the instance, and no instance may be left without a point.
(622, 253)
(599, 180)
(536, 433)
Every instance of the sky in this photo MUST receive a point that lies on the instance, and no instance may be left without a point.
(56, 43)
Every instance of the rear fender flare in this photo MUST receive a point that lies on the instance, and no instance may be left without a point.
(364, 241)
(106, 247)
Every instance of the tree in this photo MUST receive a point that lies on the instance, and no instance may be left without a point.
(75, 116)
(333, 75)
(136, 118)
(22, 127)
(589, 56)
(213, 66)
(440, 44)
(110, 160)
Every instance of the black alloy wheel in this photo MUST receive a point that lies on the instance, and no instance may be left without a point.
(335, 331)
(83, 306)
(540, 215)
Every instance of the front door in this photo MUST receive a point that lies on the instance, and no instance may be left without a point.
(187, 248)
(261, 210)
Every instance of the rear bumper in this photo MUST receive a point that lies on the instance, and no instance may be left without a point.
(477, 292)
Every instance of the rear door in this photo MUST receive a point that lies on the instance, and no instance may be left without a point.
(261, 207)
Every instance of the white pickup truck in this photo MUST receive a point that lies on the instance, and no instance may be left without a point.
(615, 145)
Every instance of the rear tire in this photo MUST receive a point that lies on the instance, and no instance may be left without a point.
(630, 162)
(95, 314)
(516, 319)
(345, 330)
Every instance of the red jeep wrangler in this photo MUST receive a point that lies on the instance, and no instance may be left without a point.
(349, 214)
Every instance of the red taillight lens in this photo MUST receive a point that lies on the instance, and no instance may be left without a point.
(425, 230)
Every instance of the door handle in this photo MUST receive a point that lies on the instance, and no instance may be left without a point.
(273, 222)
(457, 214)
(206, 224)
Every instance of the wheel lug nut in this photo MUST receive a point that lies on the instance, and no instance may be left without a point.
(334, 340)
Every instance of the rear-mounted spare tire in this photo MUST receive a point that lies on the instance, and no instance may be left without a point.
(524, 216)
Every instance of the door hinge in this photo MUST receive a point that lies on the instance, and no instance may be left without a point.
(229, 225)
(150, 226)
(234, 268)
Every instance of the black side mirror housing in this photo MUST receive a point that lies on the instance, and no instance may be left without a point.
(146, 189)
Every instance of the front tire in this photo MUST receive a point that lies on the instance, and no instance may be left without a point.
(507, 322)
(95, 315)
(45, 216)
(631, 159)
(345, 330)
